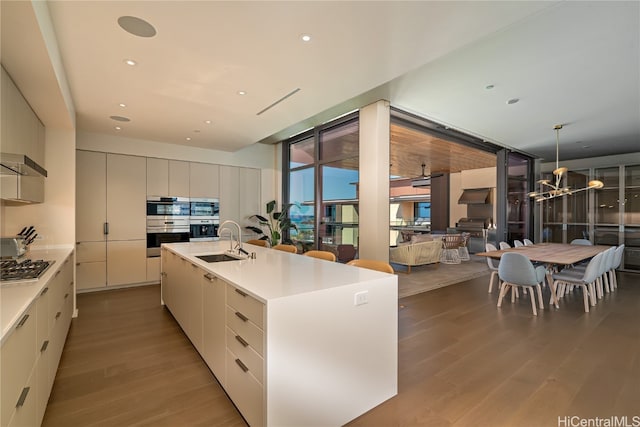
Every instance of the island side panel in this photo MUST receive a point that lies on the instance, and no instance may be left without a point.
(329, 361)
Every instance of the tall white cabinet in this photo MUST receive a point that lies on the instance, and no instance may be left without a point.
(110, 219)
(239, 195)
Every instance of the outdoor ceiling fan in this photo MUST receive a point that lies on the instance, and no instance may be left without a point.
(424, 180)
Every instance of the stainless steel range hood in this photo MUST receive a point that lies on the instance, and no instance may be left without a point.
(21, 179)
(475, 196)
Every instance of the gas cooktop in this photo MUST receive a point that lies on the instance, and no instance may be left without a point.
(24, 270)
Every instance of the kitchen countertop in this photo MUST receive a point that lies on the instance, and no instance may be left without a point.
(16, 298)
(274, 274)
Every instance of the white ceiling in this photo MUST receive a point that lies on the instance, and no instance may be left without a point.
(576, 63)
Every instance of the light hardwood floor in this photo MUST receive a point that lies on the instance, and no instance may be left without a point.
(462, 362)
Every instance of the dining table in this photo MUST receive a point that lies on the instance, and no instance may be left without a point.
(552, 255)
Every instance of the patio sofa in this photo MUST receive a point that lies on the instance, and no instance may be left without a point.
(416, 253)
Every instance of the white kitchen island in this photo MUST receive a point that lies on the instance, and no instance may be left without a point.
(294, 340)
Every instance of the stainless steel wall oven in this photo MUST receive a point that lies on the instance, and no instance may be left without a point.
(167, 222)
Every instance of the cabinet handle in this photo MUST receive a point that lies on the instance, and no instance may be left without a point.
(106, 228)
(23, 396)
(57, 273)
(244, 294)
(242, 365)
(66, 295)
(58, 314)
(209, 277)
(22, 321)
(44, 291)
(242, 341)
(242, 316)
(44, 346)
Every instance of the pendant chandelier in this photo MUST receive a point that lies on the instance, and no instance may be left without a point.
(551, 190)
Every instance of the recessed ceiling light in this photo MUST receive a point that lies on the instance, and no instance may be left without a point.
(305, 37)
(208, 122)
(241, 92)
(512, 101)
(130, 62)
(120, 118)
(122, 105)
(136, 26)
(117, 128)
(188, 138)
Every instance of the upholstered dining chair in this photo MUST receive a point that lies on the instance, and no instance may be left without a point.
(515, 270)
(258, 242)
(285, 248)
(493, 266)
(584, 242)
(586, 280)
(326, 255)
(504, 245)
(372, 264)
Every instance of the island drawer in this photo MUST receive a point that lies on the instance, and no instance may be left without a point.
(243, 351)
(246, 304)
(245, 391)
(246, 329)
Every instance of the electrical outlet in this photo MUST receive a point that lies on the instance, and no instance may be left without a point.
(361, 297)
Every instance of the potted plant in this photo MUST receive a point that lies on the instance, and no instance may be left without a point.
(274, 225)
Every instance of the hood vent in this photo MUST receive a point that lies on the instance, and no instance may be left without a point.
(19, 164)
(475, 197)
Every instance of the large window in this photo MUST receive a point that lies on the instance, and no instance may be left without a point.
(323, 184)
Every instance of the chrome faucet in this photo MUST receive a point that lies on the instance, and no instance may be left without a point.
(239, 244)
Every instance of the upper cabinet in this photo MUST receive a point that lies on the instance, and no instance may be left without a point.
(21, 130)
(167, 177)
(204, 180)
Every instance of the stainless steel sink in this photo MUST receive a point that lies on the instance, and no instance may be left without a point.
(217, 258)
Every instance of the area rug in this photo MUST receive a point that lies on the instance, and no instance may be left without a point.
(433, 276)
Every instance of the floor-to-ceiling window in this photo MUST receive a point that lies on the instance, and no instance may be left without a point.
(323, 184)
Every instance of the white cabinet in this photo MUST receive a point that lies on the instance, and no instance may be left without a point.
(126, 197)
(110, 219)
(239, 194)
(126, 262)
(167, 178)
(204, 180)
(29, 357)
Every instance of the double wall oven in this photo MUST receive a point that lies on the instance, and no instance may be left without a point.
(204, 219)
(167, 222)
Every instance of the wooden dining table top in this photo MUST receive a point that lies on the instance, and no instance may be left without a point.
(552, 253)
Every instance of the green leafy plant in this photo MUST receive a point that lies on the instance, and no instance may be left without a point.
(275, 225)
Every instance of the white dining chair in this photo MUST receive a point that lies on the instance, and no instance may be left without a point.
(493, 266)
(517, 243)
(586, 280)
(527, 242)
(515, 270)
(584, 242)
(504, 245)
(617, 260)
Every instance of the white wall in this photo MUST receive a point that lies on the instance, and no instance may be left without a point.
(265, 157)
(54, 219)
